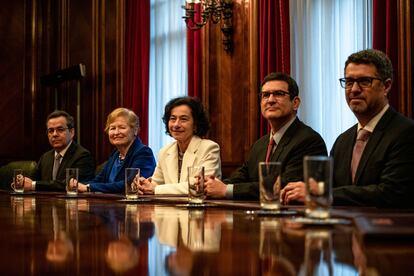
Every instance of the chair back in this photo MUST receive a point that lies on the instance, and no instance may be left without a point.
(6, 171)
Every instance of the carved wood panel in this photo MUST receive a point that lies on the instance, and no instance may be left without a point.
(230, 83)
(42, 36)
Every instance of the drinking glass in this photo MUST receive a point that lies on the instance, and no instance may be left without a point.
(269, 184)
(18, 181)
(131, 180)
(318, 172)
(72, 177)
(196, 185)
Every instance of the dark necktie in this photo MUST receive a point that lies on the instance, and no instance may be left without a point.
(361, 141)
(56, 165)
(270, 149)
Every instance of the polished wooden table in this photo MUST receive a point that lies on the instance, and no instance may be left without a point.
(96, 234)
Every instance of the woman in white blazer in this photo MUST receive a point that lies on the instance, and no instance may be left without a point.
(187, 122)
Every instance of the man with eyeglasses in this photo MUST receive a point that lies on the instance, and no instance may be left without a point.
(289, 141)
(66, 153)
(374, 159)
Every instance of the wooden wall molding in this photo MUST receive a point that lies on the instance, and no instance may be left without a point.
(42, 36)
(230, 82)
(405, 57)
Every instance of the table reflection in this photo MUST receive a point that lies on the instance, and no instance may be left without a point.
(130, 228)
(318, 253)
(23, 209)
(193, 229)
(273, 262)
(104, 236)
(60, 248)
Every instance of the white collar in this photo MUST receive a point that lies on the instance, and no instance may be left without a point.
(277, 136)
(374, 121)
(62, 152)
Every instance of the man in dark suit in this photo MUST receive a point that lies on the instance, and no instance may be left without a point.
(382, 175)
(66, 153)
(292, 139)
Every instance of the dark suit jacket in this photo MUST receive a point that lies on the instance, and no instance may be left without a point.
(299, 140)
(138, 156)
(75, 157)
(385, 174)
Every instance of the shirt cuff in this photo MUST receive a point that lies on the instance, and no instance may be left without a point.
(229, 191)
(33, 185)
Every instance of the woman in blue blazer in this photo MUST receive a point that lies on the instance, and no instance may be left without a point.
(122, 126)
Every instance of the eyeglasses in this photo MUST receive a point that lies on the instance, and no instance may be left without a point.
(264, 95)
(59, 130)
(364, 82)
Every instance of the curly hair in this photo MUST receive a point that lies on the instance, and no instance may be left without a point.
(200, 117)
(375, 57)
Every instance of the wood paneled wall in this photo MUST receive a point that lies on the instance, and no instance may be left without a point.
(230, 85)
(42, 36)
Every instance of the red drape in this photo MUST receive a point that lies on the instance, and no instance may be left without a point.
(385, 37)
(137, 44)
(194, 58)
(274, 42)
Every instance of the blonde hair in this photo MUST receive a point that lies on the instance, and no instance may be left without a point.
(133, 120)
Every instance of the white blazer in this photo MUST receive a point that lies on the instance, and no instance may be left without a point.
(200, 152)
(174, 227)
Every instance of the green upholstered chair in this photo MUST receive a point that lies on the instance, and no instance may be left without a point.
(99, 168)
(6, 172)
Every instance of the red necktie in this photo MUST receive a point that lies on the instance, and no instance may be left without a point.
(361, 141)
(269, 149)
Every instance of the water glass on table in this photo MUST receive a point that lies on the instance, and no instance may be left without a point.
(131, 183)
(18, 181)
(72, 178)
(196, 193)
(269, 185)
(318, 173)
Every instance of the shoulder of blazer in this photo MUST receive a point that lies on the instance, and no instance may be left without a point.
(75, 148)
(393, 119)
(195, 143)
(262, 140)
(297, 131)
(171, 148)
(136, 145)
(136, 148)
(349, 134)
(48, 156)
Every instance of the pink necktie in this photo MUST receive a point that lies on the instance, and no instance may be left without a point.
(359, 146)
(269, 149)
(56, 165)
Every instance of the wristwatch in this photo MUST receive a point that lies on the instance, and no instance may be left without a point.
(88, 188)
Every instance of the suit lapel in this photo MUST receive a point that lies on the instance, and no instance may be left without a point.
(127, 159)
(189, 156)
(171, 161)
(63, 164)
(49, 164)
(262, 148)
(372, 144)
(346, 157)
(286, 138)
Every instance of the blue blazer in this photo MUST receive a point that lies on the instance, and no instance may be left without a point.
(138, 156)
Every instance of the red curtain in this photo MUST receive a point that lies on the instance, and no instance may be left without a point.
(274, 42)
(194, 58)
(137, 44)
(385, 37)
